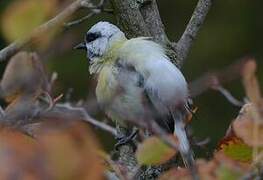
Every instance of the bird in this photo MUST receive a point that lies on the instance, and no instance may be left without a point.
(135, 79)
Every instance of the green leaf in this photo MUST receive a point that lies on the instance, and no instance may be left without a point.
(154, 152)
(238, 151)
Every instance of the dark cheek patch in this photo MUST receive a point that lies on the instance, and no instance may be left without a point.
(91, 37)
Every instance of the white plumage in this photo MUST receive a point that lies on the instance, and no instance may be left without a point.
(133, 74)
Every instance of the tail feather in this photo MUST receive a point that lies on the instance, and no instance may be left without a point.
(184, 146)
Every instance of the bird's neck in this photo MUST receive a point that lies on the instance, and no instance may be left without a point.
(108, 58)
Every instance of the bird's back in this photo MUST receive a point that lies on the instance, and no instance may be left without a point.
(161, 76)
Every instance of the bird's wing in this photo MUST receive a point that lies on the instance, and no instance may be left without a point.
(159, 112)
(132, 78)
(164, 86)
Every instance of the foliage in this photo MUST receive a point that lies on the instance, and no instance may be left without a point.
(61, 152)
(154, 152)
(67, 149)
(16, 22)
(22, 17)
(63, 149)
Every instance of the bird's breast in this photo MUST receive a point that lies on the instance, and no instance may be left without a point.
(106, 86)
(118, 94)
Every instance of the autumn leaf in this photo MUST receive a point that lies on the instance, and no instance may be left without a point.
(64, 151)
(20, 18)
(24, 75)
(244, 127)
(16, 154)
(206, 170)
(176, 174)
(249, 126)
(250, 81)
(70, 151)
(154, 151)
(237, 150)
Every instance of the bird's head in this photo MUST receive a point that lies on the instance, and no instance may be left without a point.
(100, 39)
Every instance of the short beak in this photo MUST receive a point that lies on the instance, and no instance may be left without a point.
(81, 46)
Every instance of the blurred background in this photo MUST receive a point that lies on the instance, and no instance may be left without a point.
(231, 31)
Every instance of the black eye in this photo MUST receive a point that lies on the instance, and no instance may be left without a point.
(92, 36)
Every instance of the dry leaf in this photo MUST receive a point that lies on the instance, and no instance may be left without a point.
(244, 127)
(67, 152)
(206, 171)
(153, 151)
(21, 17)
(23, 76)
(250, 81)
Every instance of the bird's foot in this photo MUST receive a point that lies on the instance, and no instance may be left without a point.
(123, 140)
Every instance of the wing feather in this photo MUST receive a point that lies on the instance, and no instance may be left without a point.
(128, 77)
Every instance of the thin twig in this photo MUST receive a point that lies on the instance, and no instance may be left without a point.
(203, 142)
(89, 119)
(209, 80)
(95, 9)
(49, 101)
(58, 20)
(78, 21)
(190, 33)
(229, 96)
(64, 112)
(56, 99)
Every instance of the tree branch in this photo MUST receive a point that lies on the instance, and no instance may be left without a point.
(58, 20)
(129, 18)
(142, 18)
(229, 96)
(78, 21)
(137, 18)
(64, 112)
(184, 44)
(212, 79)
(94, 10)
(150, 13)
(86, 117)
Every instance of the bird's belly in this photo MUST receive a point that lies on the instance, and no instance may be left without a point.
(123, 108)
(122, 104)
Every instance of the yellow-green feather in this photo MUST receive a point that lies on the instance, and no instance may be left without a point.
(120, 103)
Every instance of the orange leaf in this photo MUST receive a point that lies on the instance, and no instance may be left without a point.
(244, 126)
(250, 81)
(66, 151)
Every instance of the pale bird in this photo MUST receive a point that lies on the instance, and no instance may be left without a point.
(136, 80)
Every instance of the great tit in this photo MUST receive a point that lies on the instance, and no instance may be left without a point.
(136, 80)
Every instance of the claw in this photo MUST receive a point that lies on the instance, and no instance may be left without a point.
(123, 140)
